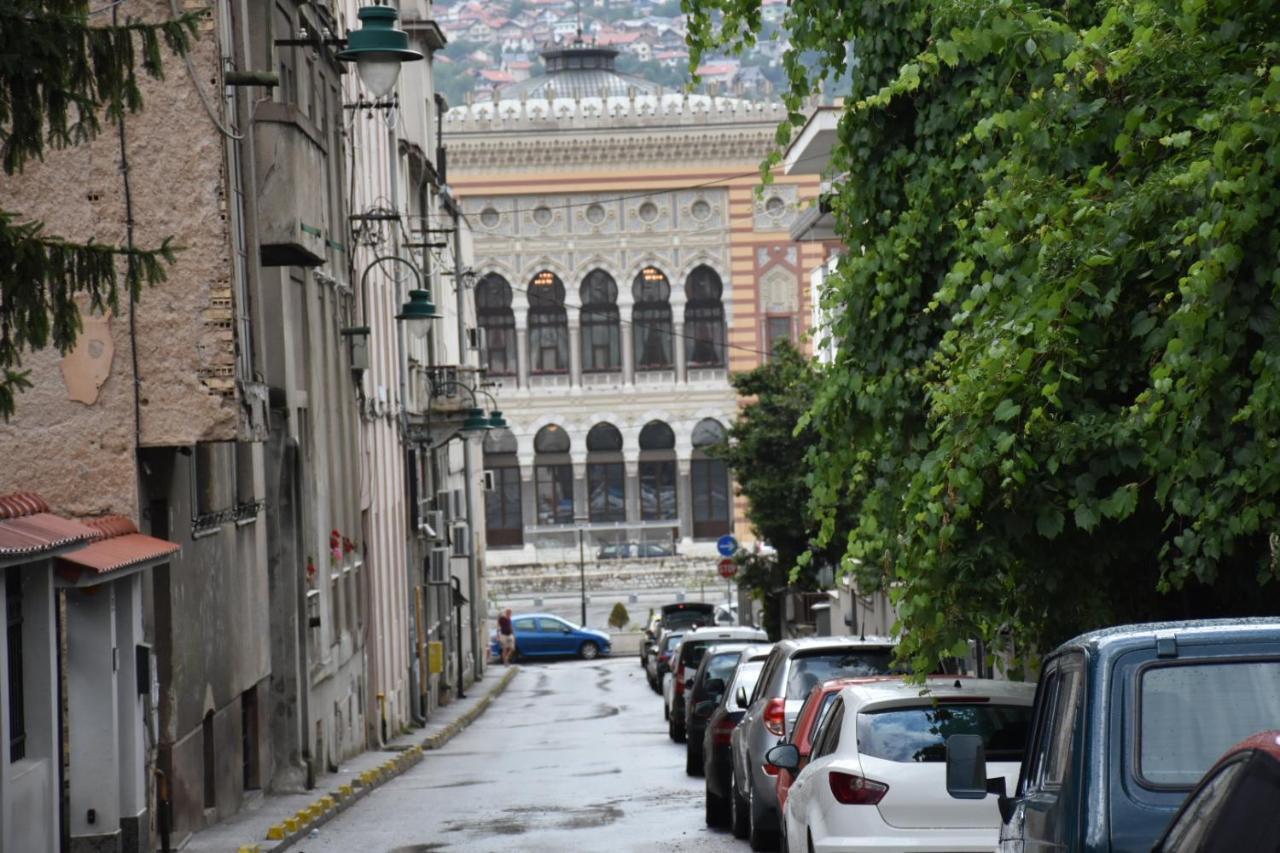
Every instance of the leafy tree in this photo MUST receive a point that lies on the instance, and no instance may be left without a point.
(767, 455)
(1057, 399)
(57, 73)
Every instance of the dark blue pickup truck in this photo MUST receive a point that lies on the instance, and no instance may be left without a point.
(1126, 721)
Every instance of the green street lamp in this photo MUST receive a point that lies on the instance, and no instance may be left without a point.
(419, 307)
(475, 421)
(496, 420)
(377, 49)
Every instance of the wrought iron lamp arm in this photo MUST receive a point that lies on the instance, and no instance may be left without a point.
(364, 280)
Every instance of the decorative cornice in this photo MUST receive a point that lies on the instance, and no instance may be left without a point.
(515, 151)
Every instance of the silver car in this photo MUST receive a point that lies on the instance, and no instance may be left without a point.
(791, 670)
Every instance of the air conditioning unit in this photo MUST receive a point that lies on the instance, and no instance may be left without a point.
(490, 482)
(438, 571)
(433, 525)
(459, 504)
(461, 540)
(444, 503)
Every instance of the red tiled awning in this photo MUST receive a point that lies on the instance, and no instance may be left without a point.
(118, 546)
(29, 531)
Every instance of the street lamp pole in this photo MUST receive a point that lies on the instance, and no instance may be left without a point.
(582, 568)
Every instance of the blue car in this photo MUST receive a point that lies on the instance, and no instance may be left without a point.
(544, 635)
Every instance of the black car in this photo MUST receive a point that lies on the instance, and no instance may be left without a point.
(685, 662)
(724, 717)
(703, 693)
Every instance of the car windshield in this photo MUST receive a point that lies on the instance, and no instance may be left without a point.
(920, 734)
(1192, 713)
(721, 666)
(745, 676)
(813, 669)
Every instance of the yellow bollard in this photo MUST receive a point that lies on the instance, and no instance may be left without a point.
(275, 833)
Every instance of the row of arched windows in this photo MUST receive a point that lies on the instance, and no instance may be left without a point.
(605, 483)
(653, 338)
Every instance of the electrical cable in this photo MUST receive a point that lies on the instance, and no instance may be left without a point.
(195, 81)
(131, 271)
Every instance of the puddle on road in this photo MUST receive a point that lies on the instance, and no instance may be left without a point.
(517, 821)
(609, 772)
(420, 848)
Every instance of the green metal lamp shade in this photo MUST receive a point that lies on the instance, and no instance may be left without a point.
(419, 307)
(475, 421)
(378, 38)
(496, 420)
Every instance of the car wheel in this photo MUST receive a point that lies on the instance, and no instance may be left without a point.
(759, 837)
(739, 814)
(588, 650)
(715, 809)
(692, 761)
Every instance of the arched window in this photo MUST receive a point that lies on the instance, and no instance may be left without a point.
(601, 334)
(548, 325)
(651, 320)
(493, 312)
(553, 475)
(704, 318)
(606, 476)
(657, 472)
(503, 513)
(712, 514)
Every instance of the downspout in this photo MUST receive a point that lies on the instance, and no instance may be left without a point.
(473, 581)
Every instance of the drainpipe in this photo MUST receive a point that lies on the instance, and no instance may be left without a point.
(473, 580)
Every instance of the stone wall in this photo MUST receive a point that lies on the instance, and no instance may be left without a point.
(601, 575)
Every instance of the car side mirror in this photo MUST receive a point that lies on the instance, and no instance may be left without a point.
(715, 686)
(741, 697)
(688, 684)
(784, 755)
(967, 772)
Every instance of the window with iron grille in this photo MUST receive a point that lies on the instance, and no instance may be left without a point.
(601, 332)
(493, 308)
(17, 711)
(651, 320)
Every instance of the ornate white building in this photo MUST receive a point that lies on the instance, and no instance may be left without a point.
(625, 266)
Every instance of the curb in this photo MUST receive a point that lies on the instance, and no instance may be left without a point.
(293, 829)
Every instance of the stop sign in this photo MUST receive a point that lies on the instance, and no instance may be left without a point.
(728, 568)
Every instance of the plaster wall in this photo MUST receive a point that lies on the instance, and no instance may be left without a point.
(79, 454)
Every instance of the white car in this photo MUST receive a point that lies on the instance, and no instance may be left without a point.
(876, 779)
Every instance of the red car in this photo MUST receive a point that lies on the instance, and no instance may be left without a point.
(815, 705)
(1233, 808)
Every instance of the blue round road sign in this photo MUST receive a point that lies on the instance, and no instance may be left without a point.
(726, 545)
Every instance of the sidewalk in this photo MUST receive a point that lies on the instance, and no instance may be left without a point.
(277, 821)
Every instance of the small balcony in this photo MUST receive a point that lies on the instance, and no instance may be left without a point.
(291, 174)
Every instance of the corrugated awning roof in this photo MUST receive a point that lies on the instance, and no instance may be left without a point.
(119, 546)
(28, 530)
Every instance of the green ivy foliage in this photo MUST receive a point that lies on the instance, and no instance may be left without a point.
(1057, 399)
(58, 71)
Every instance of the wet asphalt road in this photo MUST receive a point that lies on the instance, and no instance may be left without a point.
(574, 756)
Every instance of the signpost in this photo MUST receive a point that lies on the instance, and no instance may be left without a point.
(728, 568)
(727, 545)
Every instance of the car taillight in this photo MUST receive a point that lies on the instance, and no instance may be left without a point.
(769, 769)
(855, 790)
(662, 658)
(722, 731)
(775, 716)
(679, 686)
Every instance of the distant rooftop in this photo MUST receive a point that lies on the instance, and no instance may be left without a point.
(579, 70)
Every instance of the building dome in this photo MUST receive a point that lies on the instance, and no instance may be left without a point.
(579, 70)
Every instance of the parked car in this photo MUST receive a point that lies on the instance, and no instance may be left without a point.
(635, 550)
(1126, 721)
(649, 639)
(1234, 806)
(721, 722)
(801, 734)
(684, 663)
(544, 635)
(659, 664)
(679, 616)
(876, 779)
(714, 664)
(726, 614)
(792, 670)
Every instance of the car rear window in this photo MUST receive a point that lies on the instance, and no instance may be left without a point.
(721, 665)
(673, 640)
(686, 618)
(1190, 714)
(919, 734)
(813, 669)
